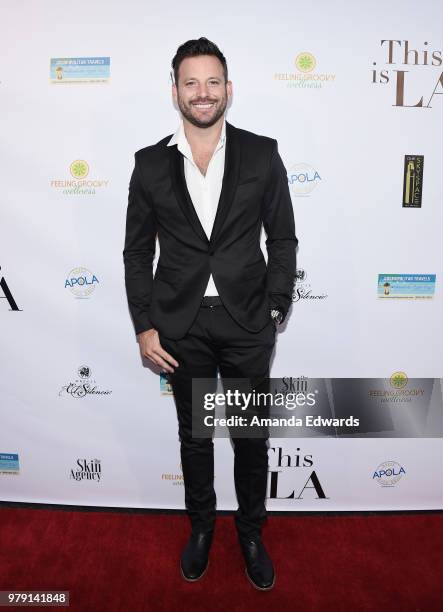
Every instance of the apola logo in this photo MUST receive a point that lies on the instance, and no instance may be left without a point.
(305, 63)
(79, 184)
(302, 179)
(388, 473)
(398, 53)
(81, 282)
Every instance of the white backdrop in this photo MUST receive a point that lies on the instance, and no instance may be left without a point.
(348, 136)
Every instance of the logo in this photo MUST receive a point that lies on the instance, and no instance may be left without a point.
(174, 478)
(287, 478)
(81, 282)
(401, 390)
(79, 184)
(388, 473)
(9, 463)
(302, 179)
(305, 77)
(79, 70)
(406, 286)
(83, 385)
(7, 294)
(87, 470)
(403, 66)
(165, 385)
(303, 290)
(305, 62)
(413, 181)
(398, 380)
(79, 168)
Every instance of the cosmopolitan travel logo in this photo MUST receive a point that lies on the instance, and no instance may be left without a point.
(388, 473)
(305, 76)
(83, 385)
(79, 70)
(79, 183)
(405, 67)
(9, 463)
(81, 282)
(302, 179)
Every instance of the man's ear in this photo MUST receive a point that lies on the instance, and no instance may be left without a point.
(229, 88)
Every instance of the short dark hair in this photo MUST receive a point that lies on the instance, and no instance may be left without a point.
(193, 48)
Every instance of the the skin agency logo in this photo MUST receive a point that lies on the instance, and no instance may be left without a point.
(86, 469)
(303, 290)
(79, 182)
(405, 65)
(305, 75)
(83, 385)
(302, 179)
(388, 473)
(81, 282)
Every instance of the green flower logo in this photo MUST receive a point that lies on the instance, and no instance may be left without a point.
(79, 168)
(305, 62)
(399, 380)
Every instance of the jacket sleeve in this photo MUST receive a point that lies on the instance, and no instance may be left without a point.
(139, 251)
(281, 242)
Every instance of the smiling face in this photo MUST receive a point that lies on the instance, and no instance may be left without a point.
(201, 92)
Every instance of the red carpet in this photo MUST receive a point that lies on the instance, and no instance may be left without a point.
(129, 561)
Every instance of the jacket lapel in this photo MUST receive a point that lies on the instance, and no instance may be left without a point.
(230, 179)
(229, 185)
(178, 179)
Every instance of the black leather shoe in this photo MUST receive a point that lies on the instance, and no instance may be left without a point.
(259, 568)
(194, 560)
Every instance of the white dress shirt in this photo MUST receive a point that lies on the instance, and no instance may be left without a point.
(204, 190)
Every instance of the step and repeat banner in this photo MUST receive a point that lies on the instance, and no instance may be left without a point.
(353, 94)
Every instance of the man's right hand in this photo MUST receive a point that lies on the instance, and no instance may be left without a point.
(152, 349)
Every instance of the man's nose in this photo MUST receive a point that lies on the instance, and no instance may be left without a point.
(203, 90)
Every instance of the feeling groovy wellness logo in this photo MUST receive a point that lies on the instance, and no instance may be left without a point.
(306, 75)
(80, 182)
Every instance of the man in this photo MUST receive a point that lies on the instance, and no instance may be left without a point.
(213, 304)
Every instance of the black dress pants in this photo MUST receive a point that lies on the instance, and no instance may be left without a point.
(216, 341)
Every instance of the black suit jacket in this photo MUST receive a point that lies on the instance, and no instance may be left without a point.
(254, 192)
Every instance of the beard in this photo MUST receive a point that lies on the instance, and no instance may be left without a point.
(217, 110)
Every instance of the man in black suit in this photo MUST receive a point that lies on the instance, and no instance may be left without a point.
(214, 304)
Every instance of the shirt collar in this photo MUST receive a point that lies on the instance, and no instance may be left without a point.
(179, 138)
